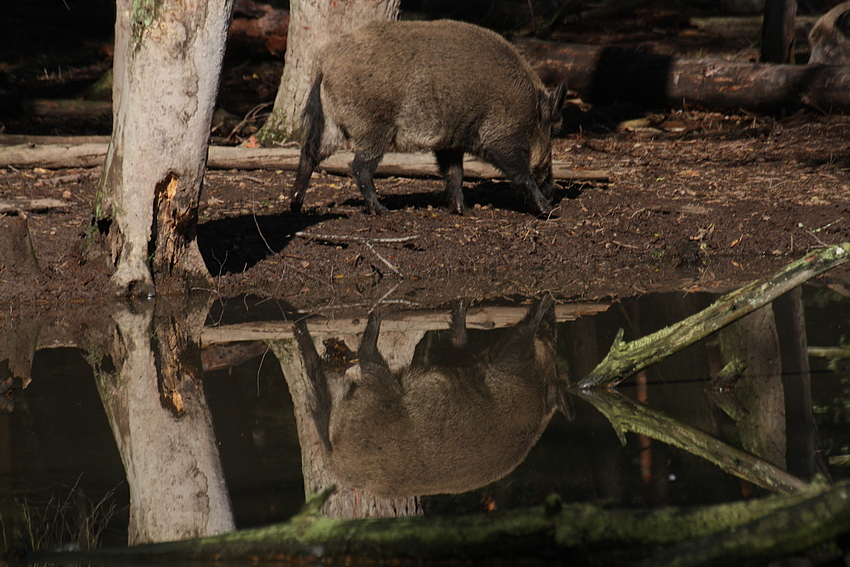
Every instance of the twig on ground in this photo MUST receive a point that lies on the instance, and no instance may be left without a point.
(367, 241)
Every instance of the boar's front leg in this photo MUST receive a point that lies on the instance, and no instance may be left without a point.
(363, 168)
(451, 168)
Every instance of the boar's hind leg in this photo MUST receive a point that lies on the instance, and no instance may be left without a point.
(458, 326)
(515, 166)
(363, 168)
(318, 393)
(451, 167)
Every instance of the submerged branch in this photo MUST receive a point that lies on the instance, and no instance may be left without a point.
(627, 415)
(624, 359)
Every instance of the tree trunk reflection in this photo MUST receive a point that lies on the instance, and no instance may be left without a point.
(149, 381)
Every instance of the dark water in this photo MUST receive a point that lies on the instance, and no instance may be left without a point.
(62, 477)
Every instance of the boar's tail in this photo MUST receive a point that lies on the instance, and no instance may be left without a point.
(312, 130)
(313, 122)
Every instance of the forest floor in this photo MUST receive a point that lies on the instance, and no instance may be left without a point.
(695, 200)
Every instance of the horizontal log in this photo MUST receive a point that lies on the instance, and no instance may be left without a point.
(579, 533)
(66, 107)
(605, 75)
(393, 164)
(14, 205)
(52, 156)
(26, 139)
(407, 322)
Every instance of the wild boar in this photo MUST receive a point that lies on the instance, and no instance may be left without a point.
(829, 38)
(443, 428)
(443, 86)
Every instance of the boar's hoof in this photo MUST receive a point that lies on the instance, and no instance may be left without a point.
(295, 207)
(544, 210)
(376, 209)
(552, 213)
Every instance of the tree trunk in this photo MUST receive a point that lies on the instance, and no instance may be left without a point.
(605, 75)
(17, 255)
(311, 24)
(754, 398)
(149, 382)
(803, 452)
(777, 40)
(167, 63)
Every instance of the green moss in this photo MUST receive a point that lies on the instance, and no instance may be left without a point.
(142, 15)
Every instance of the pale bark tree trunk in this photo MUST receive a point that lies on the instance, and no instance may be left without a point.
(162, 425)
(312, 23)
(167, 63)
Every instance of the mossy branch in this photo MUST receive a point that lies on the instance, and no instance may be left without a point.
(626, 358)
(559, 529)
(627, 415)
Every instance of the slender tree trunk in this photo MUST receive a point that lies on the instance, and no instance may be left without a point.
(755, 398)
(311, 24)
(797, 383)
(167, 63)
(149, 382)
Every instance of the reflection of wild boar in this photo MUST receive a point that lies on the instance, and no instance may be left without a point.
(444, 86)
(829, 39)
(441, 428)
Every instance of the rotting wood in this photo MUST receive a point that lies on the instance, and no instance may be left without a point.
(625, 359)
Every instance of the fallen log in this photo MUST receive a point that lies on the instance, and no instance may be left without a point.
(53, 156)
(608, 75)
(482, 318)
(576, 531)
(24, 204)
(813, 522)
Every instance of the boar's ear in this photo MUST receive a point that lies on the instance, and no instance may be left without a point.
(552, 103)
(842, 22)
